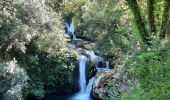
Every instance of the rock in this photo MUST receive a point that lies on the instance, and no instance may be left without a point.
(89, 46)
(108, 83)
(101, 77)
(112, 58)
(71, 45)
(91, 69)
(80, 44)
(82, 52)
(100, 64)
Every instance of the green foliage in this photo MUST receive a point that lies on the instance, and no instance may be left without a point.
(113, 90)
(22, 21)
(55, 5)
(12, 31)
(13, 79)
(52, 72)
(32, 31)
(34, 34)
(105, 24)
(151, 68)
(67, 13)
(72, 10)
(159, 7)
(37, 89)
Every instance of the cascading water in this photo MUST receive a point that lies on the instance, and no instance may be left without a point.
(82, 77)
(93, 57)
(96, 58)
(89, 86)
(71, 30)
(84, 93)
(107, 65)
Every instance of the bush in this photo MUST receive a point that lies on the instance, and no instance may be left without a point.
(13, 79)
(152, 70)
(52, 72)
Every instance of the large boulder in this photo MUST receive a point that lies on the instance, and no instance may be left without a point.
(109, 83)
(101, 77)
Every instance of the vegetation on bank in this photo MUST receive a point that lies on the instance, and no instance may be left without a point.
(35, 59)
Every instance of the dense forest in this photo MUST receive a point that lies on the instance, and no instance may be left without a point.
(84, 49)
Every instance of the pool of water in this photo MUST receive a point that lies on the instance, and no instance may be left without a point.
(62, 96)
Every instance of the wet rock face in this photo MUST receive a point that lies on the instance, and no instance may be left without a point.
(70, 34)
(91, 69)
(112, 58)
(101, 64)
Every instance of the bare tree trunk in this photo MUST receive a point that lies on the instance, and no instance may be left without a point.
(151, 16)
(139, 22)
(165, 25)
(168, 30)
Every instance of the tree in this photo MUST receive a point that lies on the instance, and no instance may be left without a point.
(165, 20)
(139, 22)
(151, 16)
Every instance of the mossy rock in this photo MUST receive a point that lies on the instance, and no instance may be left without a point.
(80, 44)
(91, 69)
(109, 85)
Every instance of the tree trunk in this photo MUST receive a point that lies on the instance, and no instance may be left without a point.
(164, 26)
(139, 22)
(151, 16)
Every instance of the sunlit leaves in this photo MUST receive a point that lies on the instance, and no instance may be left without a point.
(16, 78)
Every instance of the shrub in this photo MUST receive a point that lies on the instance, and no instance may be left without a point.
(52, 72)
(13, 79)
(152, 70)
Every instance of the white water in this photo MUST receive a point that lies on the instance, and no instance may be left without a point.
(96, 58)
(89, 86)
(93, 57)
(107, 65)
(71, 29)
(82, 74)
(84, 93)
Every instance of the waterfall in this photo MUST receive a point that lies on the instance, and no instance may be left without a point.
(71, 30)
(82, 75)
(96, 58)
(89, 86)
(84, 93)
(93, 57)
(107, 65)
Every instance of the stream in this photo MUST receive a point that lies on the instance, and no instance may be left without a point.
(84, 92)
